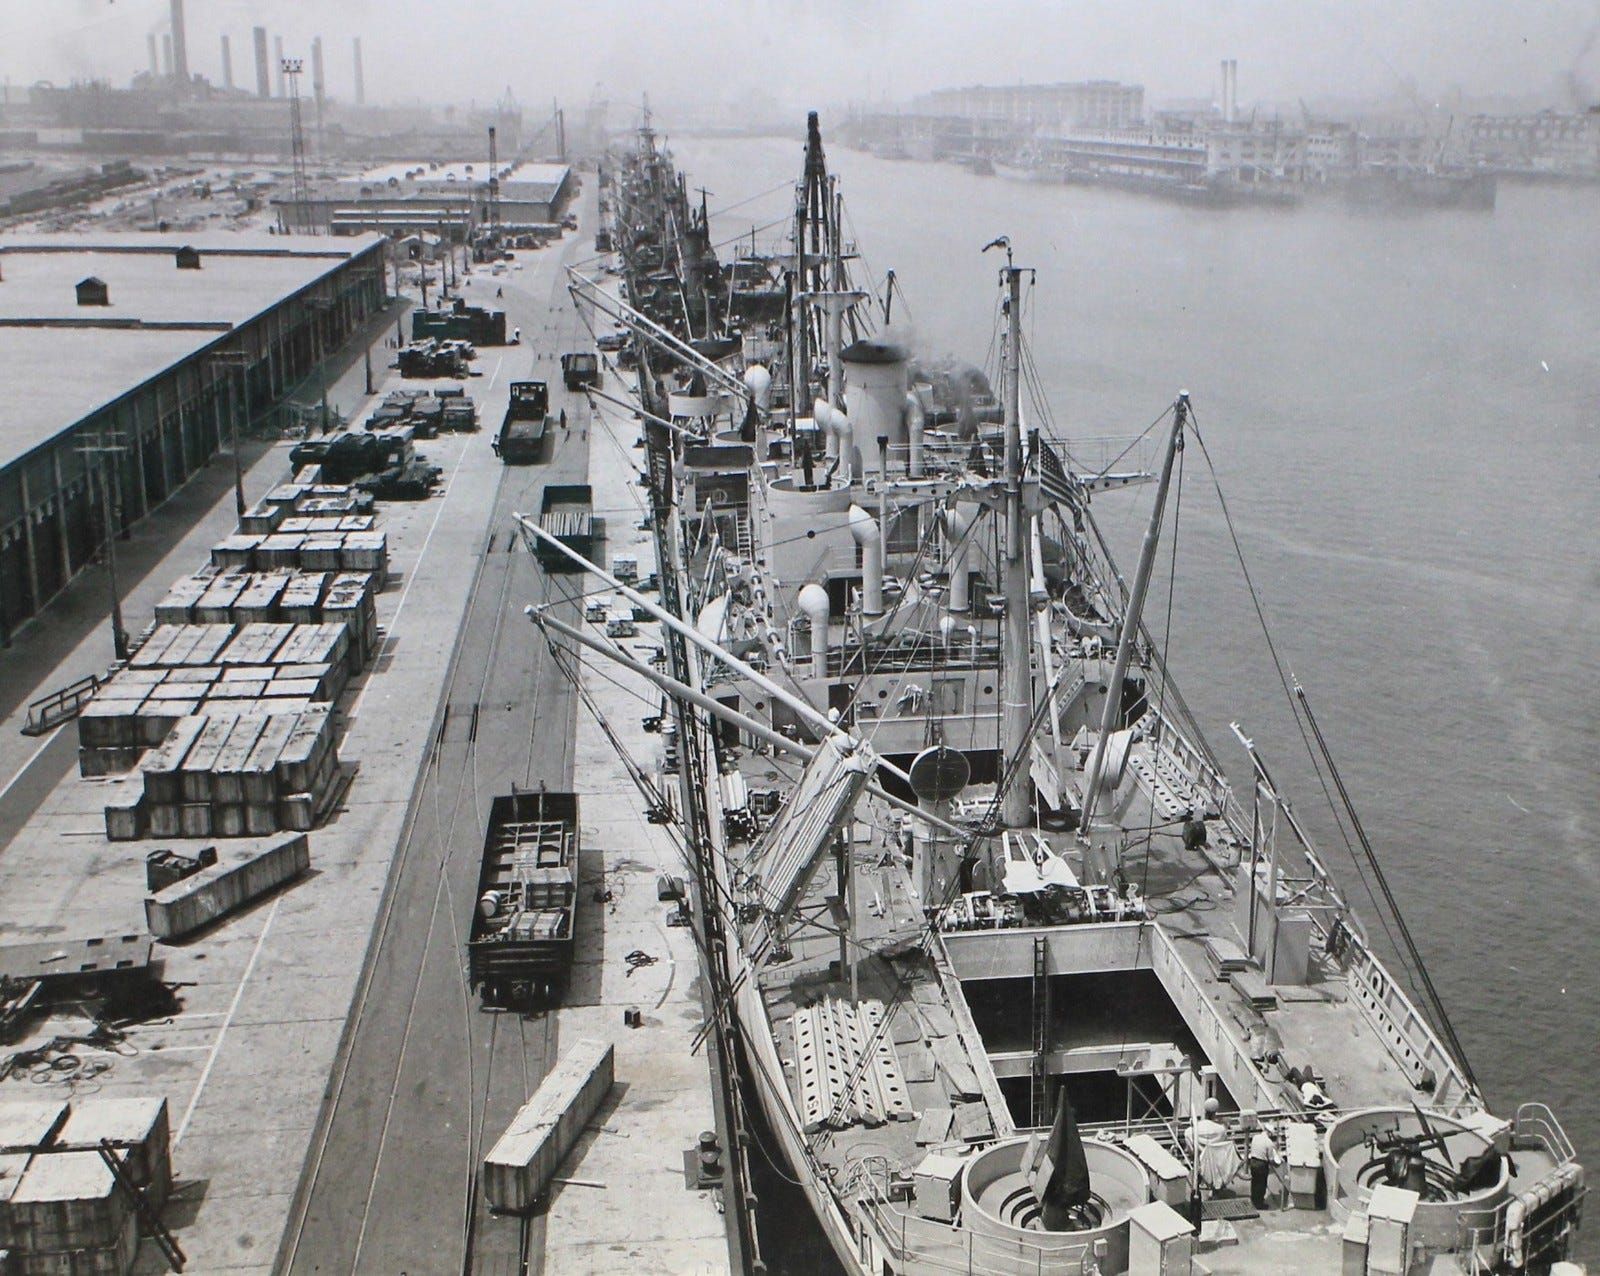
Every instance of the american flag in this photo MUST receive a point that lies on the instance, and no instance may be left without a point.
(1054, 481)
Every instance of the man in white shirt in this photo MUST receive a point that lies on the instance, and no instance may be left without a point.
(1263, 1156)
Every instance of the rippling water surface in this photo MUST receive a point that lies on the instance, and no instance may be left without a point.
(1404, 415)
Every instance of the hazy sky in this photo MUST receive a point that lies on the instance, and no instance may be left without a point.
(830, 52)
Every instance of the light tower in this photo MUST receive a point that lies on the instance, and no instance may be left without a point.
(297, 143)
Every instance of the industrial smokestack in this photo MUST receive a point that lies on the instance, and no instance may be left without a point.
(180, 45)
(316, 70)
(277, 61)
(361, 85)
(166, 55)
(227, 65)
(155, 58)
(263, 84)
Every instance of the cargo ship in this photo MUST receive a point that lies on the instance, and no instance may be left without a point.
(1014, 974)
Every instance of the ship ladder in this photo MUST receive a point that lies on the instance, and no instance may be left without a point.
(1040, 1104)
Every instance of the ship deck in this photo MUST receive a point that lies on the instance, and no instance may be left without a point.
(1192, 895)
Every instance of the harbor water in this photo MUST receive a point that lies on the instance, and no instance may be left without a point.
(1403, 411)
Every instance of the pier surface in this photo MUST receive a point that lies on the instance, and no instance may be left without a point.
(332, 1081)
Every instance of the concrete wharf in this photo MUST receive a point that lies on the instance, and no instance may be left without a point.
(332, 1083)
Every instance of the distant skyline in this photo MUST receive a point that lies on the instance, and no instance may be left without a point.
(828, 53)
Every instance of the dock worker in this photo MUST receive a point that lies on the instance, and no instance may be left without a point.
(1263, 1157)
(1216, 1160)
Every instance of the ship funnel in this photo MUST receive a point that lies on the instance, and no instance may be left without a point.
(813, 601)
(957, 523)
(865, 529)
(875, 385)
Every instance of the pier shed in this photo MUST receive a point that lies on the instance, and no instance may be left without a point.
(130, 367)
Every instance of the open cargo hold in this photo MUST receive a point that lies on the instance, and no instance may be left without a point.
(524, 1159)
(239, 875)
(567, 513)
(526, 422)
(522, 928)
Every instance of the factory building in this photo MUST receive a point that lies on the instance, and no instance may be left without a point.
(113, 342)
(448, 199)
(1090, 104)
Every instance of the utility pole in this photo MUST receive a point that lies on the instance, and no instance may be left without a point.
(233, 362)
(320, 306)
(1016, 711)
(106, 445)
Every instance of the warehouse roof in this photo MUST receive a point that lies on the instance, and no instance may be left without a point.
(158, 315)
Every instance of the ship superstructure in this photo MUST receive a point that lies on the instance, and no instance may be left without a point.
(1019, 978)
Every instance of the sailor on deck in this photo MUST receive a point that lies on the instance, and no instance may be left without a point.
(1216, 1160)
(1263, 1156)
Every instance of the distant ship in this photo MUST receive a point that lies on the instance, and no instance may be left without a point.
(1015, 978)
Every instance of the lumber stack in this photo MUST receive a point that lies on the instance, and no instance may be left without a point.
(272, 667)
(336, 550)
(235, 595)
(243, 872)
(316, 527)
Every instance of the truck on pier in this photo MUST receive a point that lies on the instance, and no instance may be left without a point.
(580, 368)
(520, 946)
(566, 513)
(526, 423)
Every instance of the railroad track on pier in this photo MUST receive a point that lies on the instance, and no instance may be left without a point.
(504, 720)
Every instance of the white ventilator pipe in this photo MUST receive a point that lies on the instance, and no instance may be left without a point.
(822, 414)
(870, 537)
(759, 382)
(916, 424)
(846, 448)
(957, 523)
(813, 599)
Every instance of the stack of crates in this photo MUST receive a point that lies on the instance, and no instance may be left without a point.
(60, 1209)
(222, 774)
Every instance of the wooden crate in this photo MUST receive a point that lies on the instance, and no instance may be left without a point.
(523, 1161)
(239, 876)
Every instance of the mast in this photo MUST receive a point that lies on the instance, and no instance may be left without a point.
(1016, 678)
(1132, 613)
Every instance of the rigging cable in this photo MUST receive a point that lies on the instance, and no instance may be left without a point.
(1404, 946)
(1431, 992)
